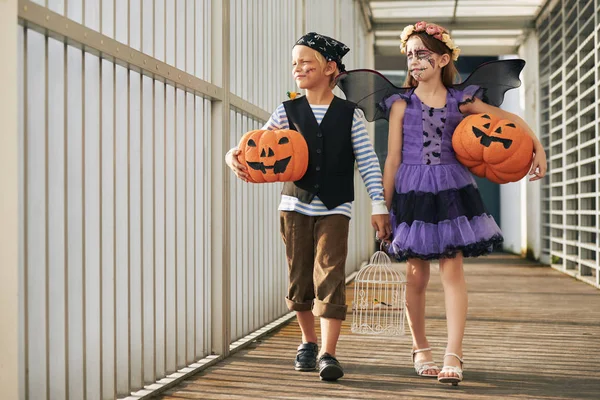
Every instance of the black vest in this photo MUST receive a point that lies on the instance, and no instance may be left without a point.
(330, 173)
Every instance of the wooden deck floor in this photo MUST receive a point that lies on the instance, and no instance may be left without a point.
(532, 333)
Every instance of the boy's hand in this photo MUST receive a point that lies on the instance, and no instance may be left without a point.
(381, 223)
(238, 169)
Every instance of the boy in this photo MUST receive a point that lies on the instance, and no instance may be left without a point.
(316, 210)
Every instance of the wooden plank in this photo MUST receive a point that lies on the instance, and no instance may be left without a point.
(531, 333)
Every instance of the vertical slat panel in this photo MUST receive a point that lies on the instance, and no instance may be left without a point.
(122, 229)
(107, 17)
(267, 34)
(135, 226)
(36, 264)
(190, 37)
(257, 271)
(208, 38)
(234, 39)
(243, 299)
(159, 30)
(254, 225)
(75, 261)
(207, 212)
(171, 310)
(170, 186)
(170, 31)
(288, 18)
(148, 231)
(21, 126)
(75, 10)
(134, 24)
(160, 225)
(180, 38)
(92, 299)
(247, 298)
(233, 238)
(121, 89)
(159, 17)
(199, 218)
(180, 224)
(257, 50)
(199, 38)
(57, 289)
(189, 228)
(232, 184)
(236, 271)
(108, 230)
(263, 270)
(135, 205)
(251, 207)
(148, 27)
(243, 265)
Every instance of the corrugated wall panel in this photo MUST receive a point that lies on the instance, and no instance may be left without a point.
(116, 182)
(569, 48)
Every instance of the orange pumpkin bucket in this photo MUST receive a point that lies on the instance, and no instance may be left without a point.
(493, 148)
(274, 156)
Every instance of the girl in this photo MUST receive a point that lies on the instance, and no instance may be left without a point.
(316, 210)
(436, 209)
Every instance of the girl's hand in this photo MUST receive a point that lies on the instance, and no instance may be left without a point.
(238, 169)
(539, 165)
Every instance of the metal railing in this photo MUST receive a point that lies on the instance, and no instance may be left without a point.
(569, 51)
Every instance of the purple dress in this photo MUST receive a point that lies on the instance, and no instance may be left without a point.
(437, 210)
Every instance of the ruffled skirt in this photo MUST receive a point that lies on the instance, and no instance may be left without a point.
(437, 211)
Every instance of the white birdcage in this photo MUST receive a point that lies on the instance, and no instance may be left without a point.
(379, 303)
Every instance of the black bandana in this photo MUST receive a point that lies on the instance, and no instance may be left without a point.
(330, 48)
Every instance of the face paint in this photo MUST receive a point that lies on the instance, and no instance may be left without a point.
(431, 61)
(421, 61)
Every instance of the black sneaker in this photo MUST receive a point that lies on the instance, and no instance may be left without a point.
(330, 368)
(306, 358)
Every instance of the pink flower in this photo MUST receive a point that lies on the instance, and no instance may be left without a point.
(438, 36)
(420, 26)
(432, 30)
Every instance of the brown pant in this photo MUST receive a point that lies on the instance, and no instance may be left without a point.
(316, 249)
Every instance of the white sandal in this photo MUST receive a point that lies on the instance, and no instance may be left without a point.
(422, 366)
(454, 380)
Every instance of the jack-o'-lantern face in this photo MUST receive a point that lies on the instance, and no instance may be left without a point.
(502, 134)
(493, 148)
(274, 156)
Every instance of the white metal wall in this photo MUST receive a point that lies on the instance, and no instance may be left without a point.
(262, 36)
(116, 172)
(513, 195)
(569, 48)
(530, 103)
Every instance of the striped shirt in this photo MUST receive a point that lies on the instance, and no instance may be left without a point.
(368, 166)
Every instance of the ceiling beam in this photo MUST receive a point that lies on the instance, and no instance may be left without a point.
(465, 50)
(464, 24)
(454, 12)
(367, 14)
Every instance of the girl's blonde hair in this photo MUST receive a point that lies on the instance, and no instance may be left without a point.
(449, 72)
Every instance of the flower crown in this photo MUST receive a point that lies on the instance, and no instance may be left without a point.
(434, 30)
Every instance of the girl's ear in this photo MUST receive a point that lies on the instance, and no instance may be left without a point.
(444, 60)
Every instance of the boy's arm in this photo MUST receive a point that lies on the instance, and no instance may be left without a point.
(368, 164)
